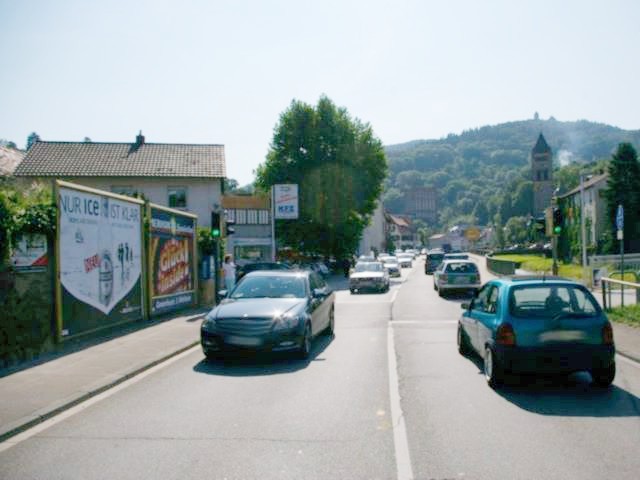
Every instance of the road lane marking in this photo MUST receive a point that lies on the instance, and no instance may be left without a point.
(40, 427)
(400, 441)
(422, 322)
(628, 360)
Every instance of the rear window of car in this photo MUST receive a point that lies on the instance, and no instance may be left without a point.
(435, 257)
(461, 268)
(545, 301)
(369, 267)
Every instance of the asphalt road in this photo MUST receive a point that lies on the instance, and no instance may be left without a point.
(332, 417)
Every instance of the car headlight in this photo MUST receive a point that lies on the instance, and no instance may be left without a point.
(287, 321)
(209, 321)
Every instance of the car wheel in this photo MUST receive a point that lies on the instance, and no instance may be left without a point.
(352, 290)
(440, 293)
(463, 342)
(329, 331)
(305, 346)
(492, 369)
(211, 356)
(603, 377)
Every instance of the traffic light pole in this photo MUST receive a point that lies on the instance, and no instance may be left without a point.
(554, 250)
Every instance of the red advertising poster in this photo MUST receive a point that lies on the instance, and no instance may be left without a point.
(172, 261)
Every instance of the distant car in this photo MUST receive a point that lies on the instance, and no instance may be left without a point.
(241, 271)
(455, 276)
(405, 260)
(432, 261)
(369, 276)
(456, 256)
(546, 325)
(270, 311)
(392, 266)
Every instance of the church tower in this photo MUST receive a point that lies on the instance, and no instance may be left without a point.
(541, 175)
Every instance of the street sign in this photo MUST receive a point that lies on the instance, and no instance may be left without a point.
(285, 201)
(472, 234)
(620, 218)
(620, 235)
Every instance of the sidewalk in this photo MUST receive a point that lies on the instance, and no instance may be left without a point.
(34, 394)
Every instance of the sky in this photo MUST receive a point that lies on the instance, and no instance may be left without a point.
(222, 72)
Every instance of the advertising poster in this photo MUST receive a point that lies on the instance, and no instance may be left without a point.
(100, 259)
(30, 253)
(171, 251)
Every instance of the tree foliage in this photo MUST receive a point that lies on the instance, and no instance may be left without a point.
(623, 188)
(340, 167)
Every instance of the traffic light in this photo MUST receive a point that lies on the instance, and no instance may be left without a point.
(558, 221)
(229, 230)
(215, 225)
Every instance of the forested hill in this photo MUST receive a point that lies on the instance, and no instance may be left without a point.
(473, 171)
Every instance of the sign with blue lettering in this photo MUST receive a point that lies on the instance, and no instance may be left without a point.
(620, 218)
(285, 198)
(100, 259)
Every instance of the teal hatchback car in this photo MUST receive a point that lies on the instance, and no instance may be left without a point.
(547, 325)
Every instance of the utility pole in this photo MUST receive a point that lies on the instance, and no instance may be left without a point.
(583, 232)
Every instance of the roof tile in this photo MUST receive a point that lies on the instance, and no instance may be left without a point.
(90, 159)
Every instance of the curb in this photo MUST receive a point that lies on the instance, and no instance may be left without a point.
(31, 422)
(628, 356)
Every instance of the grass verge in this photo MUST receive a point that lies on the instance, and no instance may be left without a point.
(539, 263)
(629, 315)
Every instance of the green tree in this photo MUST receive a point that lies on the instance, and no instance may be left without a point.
(340, 167)
(516, 230)
(31, 139)
(623, 188)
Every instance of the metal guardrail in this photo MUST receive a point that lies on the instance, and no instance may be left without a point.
(608, 300)
(502, 267)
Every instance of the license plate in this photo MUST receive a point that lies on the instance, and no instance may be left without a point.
(461, 280)
(243, 341)
(562, 336)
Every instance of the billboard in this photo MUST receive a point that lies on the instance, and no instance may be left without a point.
(285, 199)
(99, 251)
(172, 260)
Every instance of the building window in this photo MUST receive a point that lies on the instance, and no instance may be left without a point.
(177, 197)
(546, 175)
(230, 214)
(241, 217)
(252, 217)
(263, 217)
(123, 190)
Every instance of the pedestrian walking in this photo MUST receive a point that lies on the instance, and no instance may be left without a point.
(229, 271)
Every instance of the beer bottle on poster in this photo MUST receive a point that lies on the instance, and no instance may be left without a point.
(105, 274)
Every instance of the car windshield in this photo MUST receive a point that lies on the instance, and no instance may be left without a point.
(289, 286)
(369, 267)
(461, 268)
(547, 301)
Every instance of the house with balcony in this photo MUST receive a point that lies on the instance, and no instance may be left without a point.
(400, 231)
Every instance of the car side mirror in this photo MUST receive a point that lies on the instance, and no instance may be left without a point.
(222, 294)
(465, 306)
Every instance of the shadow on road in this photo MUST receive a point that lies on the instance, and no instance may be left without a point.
(248, 363)
(565, 395)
